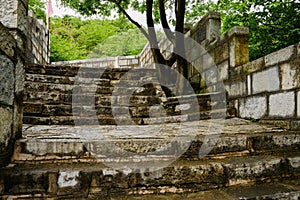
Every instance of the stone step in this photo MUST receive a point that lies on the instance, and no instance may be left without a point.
(95, 180)
(285, 189)
(96, 118)
(152, 108)
(152, 142)
(53, 98)
(91, 72)
(38, 78)
(32, 87)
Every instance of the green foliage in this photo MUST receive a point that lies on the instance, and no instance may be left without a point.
(73, 38)
(38, 7)
(126, 43)
(273, 24)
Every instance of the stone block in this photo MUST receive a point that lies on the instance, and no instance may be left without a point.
(253, 107)
(7, 42)
(223, 70)
(221, 53)
(7, 80)
(6, 120)
(280, 56)
(207, 61)
(20, 77)
(211, 76)
(295, 125)
(282, 104)
(290, 74)
(266, 81)
(237, 89)
(251, 67)
(249, 83)
(298, 103)
(239, 50)
(8, 14)
(68, 179)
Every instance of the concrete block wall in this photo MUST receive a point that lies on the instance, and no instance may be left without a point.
(38, 43)
(112, 62)
(13, 32)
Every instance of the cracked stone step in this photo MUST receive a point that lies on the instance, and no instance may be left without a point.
(41, 143)
(97, 180)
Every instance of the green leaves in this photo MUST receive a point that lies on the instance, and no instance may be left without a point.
(273, 24)
(38, 7)
(125, 43)
(73, 38)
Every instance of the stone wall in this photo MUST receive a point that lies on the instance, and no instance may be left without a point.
(112, 62)
(267, 89)
(38, 43)
(13, 31)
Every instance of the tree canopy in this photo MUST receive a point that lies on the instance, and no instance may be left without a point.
(38, 7)
(156, 10)
(73, 38)
(273, 24)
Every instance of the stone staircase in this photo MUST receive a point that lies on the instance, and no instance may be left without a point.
(148, 146)
(65, 95)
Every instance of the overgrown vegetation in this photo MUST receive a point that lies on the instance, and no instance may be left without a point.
(273, 24)
(73, 38)
(38, 7)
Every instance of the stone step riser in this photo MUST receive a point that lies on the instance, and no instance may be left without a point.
(65, 80)
(60, 150)
(102, 182)
(34, 109)
(122, 119)
(83, 72)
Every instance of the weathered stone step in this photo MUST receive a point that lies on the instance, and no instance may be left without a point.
(39, 78)
(285, 189)
(92, 180)
(135, 109)
(32, 87)
(97, 118)
(53, 98)
(90, 72)
(237, 138)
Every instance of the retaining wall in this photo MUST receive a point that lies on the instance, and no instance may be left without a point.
(13, 31)
(267, 89)
(118, 62)
(38, 43)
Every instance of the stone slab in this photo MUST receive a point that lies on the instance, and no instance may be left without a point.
(266, 81)
(280, 56)
(6, 119)
(290, 76)
(253, 107)
(282, 104)
(7, 81)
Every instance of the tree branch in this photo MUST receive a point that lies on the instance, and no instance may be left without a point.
(150, 23)
(122, 10)
(164, 22)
